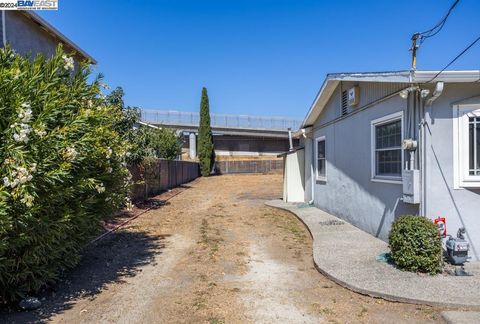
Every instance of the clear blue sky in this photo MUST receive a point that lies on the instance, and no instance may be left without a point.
(266, 57)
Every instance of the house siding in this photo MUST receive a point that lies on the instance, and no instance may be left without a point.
(28, 38)
(461, 207)
(349, 192)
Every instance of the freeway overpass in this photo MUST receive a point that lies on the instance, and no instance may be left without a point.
(234, 135)
(222, 123)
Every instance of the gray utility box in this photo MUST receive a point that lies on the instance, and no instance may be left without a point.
(457, 250)
(411, 186)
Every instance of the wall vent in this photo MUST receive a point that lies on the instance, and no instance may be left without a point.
(344, 103)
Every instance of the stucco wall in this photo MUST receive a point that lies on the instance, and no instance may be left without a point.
(349, 192)
(461, 207)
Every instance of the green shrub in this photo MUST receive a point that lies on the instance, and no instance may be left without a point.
(146, 142)
(62, 167)
(416, 244)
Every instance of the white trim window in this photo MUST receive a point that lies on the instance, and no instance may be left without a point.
(466, 146)
(320, 159)
(387, 153)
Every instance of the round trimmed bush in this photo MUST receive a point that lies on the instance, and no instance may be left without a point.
(416, 244)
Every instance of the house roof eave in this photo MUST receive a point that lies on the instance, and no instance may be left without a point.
(417, 77)
(57, 34)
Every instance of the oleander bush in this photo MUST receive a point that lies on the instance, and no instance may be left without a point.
(62, 167)
(416, 245)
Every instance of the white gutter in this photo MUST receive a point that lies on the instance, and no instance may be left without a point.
(436, 93)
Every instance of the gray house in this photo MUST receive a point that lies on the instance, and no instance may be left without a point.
(380, 145)
(28, 33)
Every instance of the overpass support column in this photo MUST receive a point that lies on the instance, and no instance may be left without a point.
(192, 139)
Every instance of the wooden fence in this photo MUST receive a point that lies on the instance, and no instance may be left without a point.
(250, 166)
(153, 177)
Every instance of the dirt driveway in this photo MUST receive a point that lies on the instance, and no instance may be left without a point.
(213, 254)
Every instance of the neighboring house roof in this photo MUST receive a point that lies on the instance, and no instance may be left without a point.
(333, 79)
(57, 34)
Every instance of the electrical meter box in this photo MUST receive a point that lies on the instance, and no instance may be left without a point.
(411, 186)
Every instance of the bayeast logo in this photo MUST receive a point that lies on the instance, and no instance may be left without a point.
(37, 4)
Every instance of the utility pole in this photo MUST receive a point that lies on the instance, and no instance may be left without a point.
(414, 49)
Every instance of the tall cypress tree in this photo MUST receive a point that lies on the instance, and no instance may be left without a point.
(206, 152)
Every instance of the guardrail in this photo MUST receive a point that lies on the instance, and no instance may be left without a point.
(192, 119)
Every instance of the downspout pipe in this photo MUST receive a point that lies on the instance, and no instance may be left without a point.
(305, 132)
(290, 140)
(436, 93)
(4, 29)
(426, 104)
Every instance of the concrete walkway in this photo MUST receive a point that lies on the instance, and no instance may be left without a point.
(456, 317)
(347, 255)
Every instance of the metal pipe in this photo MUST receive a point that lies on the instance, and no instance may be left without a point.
(290, 140)
(4, 29)
(439, 87)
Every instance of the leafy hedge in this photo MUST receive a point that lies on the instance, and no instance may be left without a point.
(416, 244)
(146, 142)
(62, 167)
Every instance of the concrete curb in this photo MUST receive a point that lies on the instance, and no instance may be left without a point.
(351, 284)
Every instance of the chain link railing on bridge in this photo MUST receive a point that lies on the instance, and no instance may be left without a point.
(178, 118)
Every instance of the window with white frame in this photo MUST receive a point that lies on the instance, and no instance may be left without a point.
(387, 153)
(466, 137)
(474, 146)
(320, 159)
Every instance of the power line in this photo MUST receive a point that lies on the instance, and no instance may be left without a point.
(438, 27)
(456, 58)
(420, 37)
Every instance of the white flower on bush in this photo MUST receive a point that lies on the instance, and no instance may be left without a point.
(22, 134)
(25, 114)
(40, 131)
(68, 62)
(109, 170)
(21, 175)
(109, 152)
(27, 200)
(104, 86)
(70, 153)
(128, 204)
(100, 188)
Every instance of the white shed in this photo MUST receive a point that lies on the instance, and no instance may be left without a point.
(293, 175)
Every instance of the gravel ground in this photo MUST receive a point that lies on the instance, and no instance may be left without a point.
(212, 254)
